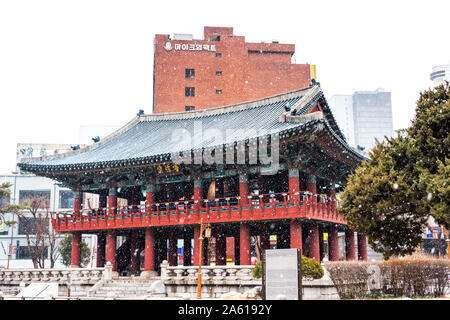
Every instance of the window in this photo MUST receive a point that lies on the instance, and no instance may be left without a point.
(23, 253)
(66, 199)
(218, 55)
(189, 92)
(190, 73)
(27, 225)
(25, 195)
(190, 108)
(218, 73)
(219, 91)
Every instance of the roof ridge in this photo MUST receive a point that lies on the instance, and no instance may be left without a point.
(89, 147)
(225, 109)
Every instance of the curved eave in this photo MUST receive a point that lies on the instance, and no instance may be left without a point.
(160, 158)
(308, 97)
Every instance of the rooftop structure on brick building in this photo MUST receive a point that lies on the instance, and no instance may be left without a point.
(221, 69)
(266, 167)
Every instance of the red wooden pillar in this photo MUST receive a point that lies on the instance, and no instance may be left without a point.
(111, 248)
(294, 184)
(77, 202)
(149, 262)
(333, 244)
(332, 195)
(112, 201)
(221, 247)
(196, 244)
(101, 245)
(111, 235)
(350, 244)
(362, 247)
(76, 250)
(311, 185)
(173, 254)
(243, 188)
(313, 243)
(244, 244)
(296, 234)
(135, 254)
(187, 247)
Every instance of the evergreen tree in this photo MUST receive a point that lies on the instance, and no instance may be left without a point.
(65, 249)
(390, 197)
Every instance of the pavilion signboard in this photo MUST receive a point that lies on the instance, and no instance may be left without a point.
(282, 275)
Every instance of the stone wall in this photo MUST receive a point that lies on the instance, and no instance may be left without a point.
(79, 280)
(218, 280)
(179, 281)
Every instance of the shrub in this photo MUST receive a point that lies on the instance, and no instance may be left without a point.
(311, 269)
(350, 278)
(257, 270)
(416, 275)
(65, 250)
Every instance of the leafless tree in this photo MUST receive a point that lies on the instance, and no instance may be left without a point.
(41, 239)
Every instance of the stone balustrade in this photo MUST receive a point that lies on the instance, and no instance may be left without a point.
(219, 280)
(216, 280)
(210, 274)
(71, 276)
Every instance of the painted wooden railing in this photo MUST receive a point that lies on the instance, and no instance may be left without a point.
(230, 209)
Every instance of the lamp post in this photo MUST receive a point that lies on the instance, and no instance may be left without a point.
(69, 283)
(448, 244)
(200, 249)
(10, 252)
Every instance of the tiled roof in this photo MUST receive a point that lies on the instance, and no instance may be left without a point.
(150, 136)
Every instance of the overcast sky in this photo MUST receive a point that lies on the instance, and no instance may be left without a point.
(64, 64)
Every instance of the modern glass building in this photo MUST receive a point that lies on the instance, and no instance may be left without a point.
(364, 117)
(372, 114)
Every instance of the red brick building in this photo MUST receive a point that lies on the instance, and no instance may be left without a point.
(219, 70)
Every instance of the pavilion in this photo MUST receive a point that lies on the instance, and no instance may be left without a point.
(263, 167)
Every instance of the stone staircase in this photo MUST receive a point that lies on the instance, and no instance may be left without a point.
(123, 287)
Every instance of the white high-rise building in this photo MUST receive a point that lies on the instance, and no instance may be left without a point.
(439, 74)
(364, 117)
(342, 108)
